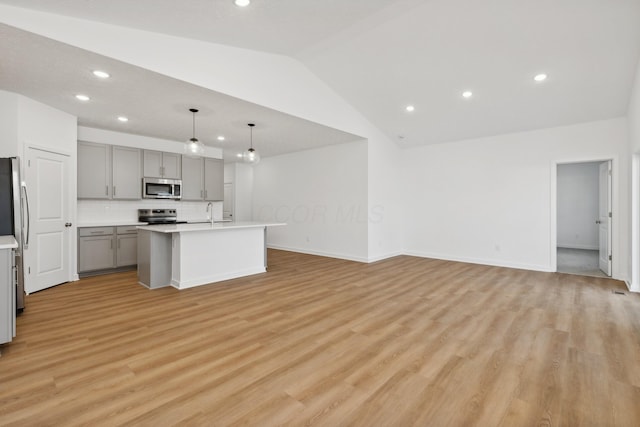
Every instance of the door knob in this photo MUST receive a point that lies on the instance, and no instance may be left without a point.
(598, 221)
(68, 224)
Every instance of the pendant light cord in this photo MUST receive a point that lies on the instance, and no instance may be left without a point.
(251, 125)
(194, 111)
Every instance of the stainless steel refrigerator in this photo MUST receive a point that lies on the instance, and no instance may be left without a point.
(12, 217)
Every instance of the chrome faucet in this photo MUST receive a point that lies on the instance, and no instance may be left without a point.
(210, 207)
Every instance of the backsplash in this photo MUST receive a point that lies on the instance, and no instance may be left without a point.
(121, 210)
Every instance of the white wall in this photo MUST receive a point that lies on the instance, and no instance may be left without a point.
(577, 205)
(322, 196)
(25, 122)
(633, 118)
(385, 199)
(8, 124)
(634, 114)
(46, 127)
(243, 192)
(240, 177)
(493, 200)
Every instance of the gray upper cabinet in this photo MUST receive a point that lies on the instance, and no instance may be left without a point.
(108, 172)
(162, 165)
(127, 176)
(94, 171)
(213, 179)
(192, 178)
(171, 162)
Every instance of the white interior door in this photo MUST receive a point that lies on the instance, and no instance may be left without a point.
(604, 218)
(47, 249)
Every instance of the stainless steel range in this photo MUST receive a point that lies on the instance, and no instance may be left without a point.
(159, 216)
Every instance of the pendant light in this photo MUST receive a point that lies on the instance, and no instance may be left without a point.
(251, 156)
(193, 147)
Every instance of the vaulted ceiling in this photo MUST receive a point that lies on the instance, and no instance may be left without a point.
(381, 56)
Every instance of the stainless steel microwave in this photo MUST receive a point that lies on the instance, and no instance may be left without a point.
(160, 188)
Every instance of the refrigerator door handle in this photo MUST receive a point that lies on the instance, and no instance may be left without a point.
(28, 223)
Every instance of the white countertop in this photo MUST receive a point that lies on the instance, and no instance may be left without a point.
(109, 223)
(8, 242)
(125, 223)
(218, 226)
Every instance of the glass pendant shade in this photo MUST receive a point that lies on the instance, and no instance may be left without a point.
(251, 156)
(193, 147)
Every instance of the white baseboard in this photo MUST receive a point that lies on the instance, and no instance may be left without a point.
(572, 246)
(319, 253)
(385, 256)
(632, 287)
(495, 263)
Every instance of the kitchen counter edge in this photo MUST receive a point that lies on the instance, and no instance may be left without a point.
(8, 242)
(218, 226)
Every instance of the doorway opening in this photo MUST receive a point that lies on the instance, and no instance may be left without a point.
(584, 218)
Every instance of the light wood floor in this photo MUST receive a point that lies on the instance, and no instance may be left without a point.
(318, 341)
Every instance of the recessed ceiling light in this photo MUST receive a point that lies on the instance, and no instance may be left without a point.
(540, 77)
(410, 108)
(101, 74)
(467, 94)
(221, 138)
(82, 97)
(123, 119)
(242, 3)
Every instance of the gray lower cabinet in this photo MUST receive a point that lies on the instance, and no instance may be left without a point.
(95, 249)
(154, 250)
(7, 297)
(103, 249)
(127, 246)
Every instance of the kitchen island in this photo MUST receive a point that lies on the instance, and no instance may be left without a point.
(188, 255)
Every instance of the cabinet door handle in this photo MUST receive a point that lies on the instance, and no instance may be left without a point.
(111, 244)
(114, 190)
(201, 195)
(118, 243)
(205, 194)
(106, 190)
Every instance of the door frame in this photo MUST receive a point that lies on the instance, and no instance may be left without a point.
(71, 203)
(553, 220)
